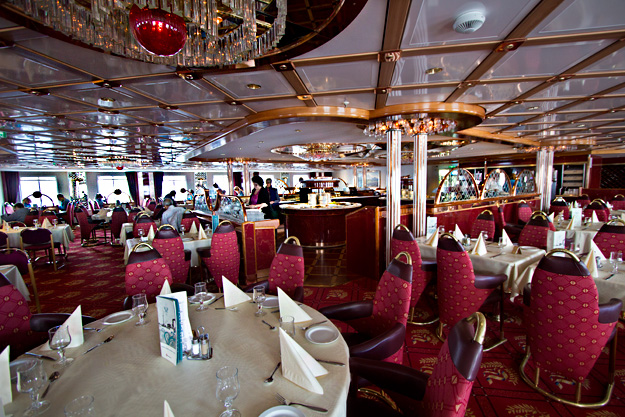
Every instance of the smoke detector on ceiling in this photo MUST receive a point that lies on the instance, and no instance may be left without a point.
(469, 21)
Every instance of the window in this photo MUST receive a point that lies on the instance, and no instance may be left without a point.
(47, 186)
(174, 182)
(108, 183)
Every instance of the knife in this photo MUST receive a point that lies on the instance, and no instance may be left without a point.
(108, 339)
(215, 300)
(36, 355)
(330, 362)
(609, 277)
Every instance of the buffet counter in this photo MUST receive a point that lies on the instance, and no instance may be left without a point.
(318, 225)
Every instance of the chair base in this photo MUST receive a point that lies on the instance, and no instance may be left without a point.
(87, 243)
(411, 319)
(495, 342)
(577, 403)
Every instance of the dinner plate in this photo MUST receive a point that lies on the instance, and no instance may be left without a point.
(282, 411)
(119, 317)
(271, 302)
(207, 298)
(13, 366)
(321, 335)
(187, 239)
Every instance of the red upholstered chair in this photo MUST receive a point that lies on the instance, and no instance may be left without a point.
(146, 271)
(31, 216)
(134, 212)
(513, 230)
(602, 212)
(158, 212)
(151, 205)
(566, 327)
(20, 259)
(88, 230)
(380, 323)
(535, 232)
(611, 237)
(48, 214)
(118, 218)
(402, 240)
(4, 240)
(188, 218)
(583, 200)
(559, 205)
(618, 202)
(524, 212)
(40, 239)
(485, 222)
(461, 292)
(15, 223)
(446, 392)
(286, 271)
(169, 244)
(8, 208)
(223, 258)
(143, 222)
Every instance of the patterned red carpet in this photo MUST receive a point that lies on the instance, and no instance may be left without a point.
(94, 278)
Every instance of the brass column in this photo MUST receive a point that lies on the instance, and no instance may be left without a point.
(419, 184)
(230, 178)
(246, 178)
(393, 185)
(544, 175)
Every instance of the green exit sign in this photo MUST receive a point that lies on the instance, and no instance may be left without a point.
(3, 135)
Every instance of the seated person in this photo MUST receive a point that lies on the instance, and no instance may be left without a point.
(63, 202)
(18, 215)
(100, 200)
(238, 191)
(26, 202)
(172, 215)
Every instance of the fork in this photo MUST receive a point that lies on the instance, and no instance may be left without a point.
(93, 329)
(312, 325)
(270, 326)
(284, 401)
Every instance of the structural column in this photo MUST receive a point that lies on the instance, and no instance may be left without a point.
(356, 176)
(393, 185)
(544, 175)
(230, 178)
(419, 184)
(246, 178)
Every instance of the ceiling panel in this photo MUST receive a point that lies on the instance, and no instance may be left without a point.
(417, 95)
(27, 71)
(613, 62)
(108, 119)
(159, 115)
(455, 67)
(275, 104)
(496, 92)
(600, 104)
(152, 130)
(359, 101)
(271, 83)
(10, 112)
(175, 90)
(564, 117)
(113, 98)
(541, 107)
(574, 16)
(215, 110)
(504, 120)
(341, 76)
(49, 123)
(578, 87)
(51, 104)
(611, 116)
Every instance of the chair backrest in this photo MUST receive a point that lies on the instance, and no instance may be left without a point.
(4, 240)
(524, 212)
(169, 244)
(618, 202)
(602, 212)
(37, 236)
(151, 205)
(8, 208)
(16, 257)
(16, 223)
(224, 254)
(30, 217)
(535, 232)
(146, 271)
(559, 205)
(188, 218)
(15, 314)
(118, 218)
(403, 240)
(143, 222)
(583, 200)
(449, 387)
(287, 268)
(564, 333)
(158, 211)
(485, 222)
(611, 237)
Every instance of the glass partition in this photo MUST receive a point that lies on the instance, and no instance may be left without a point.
(497, 184)
(525, 183)
(457, 185)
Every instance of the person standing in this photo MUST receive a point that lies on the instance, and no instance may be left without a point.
(274, 198)
(260, 197)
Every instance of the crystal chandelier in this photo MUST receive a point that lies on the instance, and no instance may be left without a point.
(119, 162)
(319, 152)
(190, 33)
(410, 125)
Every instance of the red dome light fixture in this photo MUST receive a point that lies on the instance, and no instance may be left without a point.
(159, 32)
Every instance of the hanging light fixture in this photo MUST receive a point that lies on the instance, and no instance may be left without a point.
(169, 32)
(411, 124)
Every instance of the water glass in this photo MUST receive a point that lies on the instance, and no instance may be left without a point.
(80, 407)
(36, 223)
(228, 389)
(287, 323)
(140, 308)
(614, 262)
(59, 339)
(441, 229)
(259, 298)
(182, 230)
(55, 222)
(619, 256)
(141, 233)
(200, 294)
(485, 234)
(501, 244)
(31, 378)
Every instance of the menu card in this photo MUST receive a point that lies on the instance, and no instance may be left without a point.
(431, 225)
(555, 239)
(174, 327)
(5, 377)
(576, 217)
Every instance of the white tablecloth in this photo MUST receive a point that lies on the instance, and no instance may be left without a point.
(511, 265)
(128, 377)
(61, 233)
(191, 245)
(582, 236)
(15, 278)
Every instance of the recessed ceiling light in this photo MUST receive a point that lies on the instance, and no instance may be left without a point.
(254, 86)
(533, 108)
(304, 97)
(261, 141)
(298, 130)
(582, 125)
(433, 70)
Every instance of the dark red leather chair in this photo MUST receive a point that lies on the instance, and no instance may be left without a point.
(583, 200)
(380, 323)
(618, 202)
(559, 206)
(20, 259)
(567, 328)
(169, 244)
(15, 223)
(133, 213)
(4, 240)
(611, 237)
(188, 218)
(446, 392)
(143, 222)
(146, 271)
(88, 230)
(118, 218)
(222, 259)
(40, 239)
(524, 212)
(31, 216)
(151, 205)
(485, 222)
(48, 214)
(461, 292)
(535, 232)
(602, 211)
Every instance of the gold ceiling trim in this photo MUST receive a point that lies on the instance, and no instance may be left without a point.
(484, 134)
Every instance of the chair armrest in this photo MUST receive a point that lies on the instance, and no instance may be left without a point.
(204, 252)
(348, 311)
(609, 312)
(187, 255)
(428, 266)
(250, 288)
(527, 293)
(298, 296)
(381, 346)
(390, 376)
(45, 321)
(489, 281)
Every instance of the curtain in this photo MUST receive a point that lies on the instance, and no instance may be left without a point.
(11, 186)
(133, 186)
(238, 179)
(158, 184)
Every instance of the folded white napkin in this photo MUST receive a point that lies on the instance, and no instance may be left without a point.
(166, 289)
(596, 251)
(74, 325)
(610, 206)
(575, 204)
(594, 217)
(552, 217)
(151, 233)
(517, 250)
(591, 263)
(232, 294)
(458, 233)
(480, 247)
(288, 307)
(507, 242)
(46, 223)
(167, 410)
(432, 240)
(193, 228)
(298, 366)
(570, 225)
(623, 216)
(201, 234)
(5, 377)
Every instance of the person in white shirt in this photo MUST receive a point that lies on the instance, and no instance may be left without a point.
(172, 215)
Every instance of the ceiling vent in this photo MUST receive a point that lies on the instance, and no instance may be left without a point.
(469, 22)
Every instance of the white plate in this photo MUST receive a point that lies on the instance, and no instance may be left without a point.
(321, 335)
(282, 411)
(187, 239)
(119, 317)
(14, 365)
(271, 302)
(207, 298)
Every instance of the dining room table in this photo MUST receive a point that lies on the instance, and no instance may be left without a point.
(128, 376)
(60, 233)
(581, 236)
(15, 277)
(189, 240)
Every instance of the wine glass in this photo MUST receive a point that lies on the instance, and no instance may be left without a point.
(441, 229)
(200, 294)
(36, 223)
(228, 389)
(501, 244)
(259, 298)
(31, 378)
(141, 233)
(140, 307)
(619, 257)
(55, 222)
(485, 234)
(182, 230)
(614, 261)
(60, 339)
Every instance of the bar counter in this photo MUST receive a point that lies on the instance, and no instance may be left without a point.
(318, 226)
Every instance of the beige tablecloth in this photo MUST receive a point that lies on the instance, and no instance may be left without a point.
(128, 377)
(582, 236)
(191, 245)
(511, 265)
(61, 233)
(15, 278)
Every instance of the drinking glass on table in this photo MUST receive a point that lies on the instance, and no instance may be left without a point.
(141, 233)
(140, 307)
(287, 323)
(36, 223)
(228, 389)
(55, 222)
(441, 229)
(259, 298)
(619, 257)
(200, 294)
(182, 230)
(614, 261)
(485, 234)
(501, 244)
(80, 407)
(31, 378)
(60, 339)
